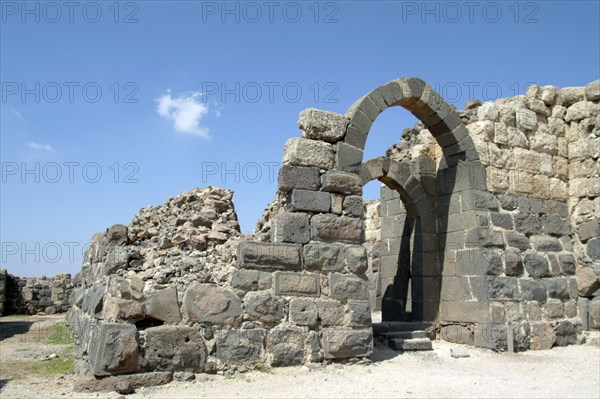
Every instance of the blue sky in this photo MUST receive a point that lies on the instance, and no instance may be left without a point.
(110, 107)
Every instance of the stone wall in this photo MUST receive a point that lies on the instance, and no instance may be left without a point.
(3, 276)
(36, 295)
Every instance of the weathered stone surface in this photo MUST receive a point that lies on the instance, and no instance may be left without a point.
(594, 311)
(545, 243)
(331, 312)
(348, 158)
(299, 177)
(326, 257)
(589, 229)
(263, 307)
(296, 284)
(269, 256)
(543, 336)
(593, 248)
(306, 152)
(503, 220)
(533, 290)
(554, 309)
(526, 119)
(243, 281)
(322, 125)
(114, 349)
(359, 313)
(503, 288)
(117, 258)
(89, 383)
(527, 224)
(208, 303)
(457, 334)
(291, 227)
(238, 347)
(336, 228)
(93, 300)
(513, 264)
(565, 333)
(172, 348)
(516, 240)
(567, 264)
(311, 201)
(303, 312)
(338, 343)
(162, 305)
(117, 235)
(336, 181)
(286, 344)
(353, 206)
(557, 288)
(347, 286)
(356, 259)
(536, 265)
(592, 91)
(587, 281)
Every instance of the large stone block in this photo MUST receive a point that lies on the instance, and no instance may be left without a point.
(299, 177)
(306, 152)
(236, 347)
(163, 305)
(173, 348)
(336, 181)
(528, 224)
(566, 334)
(117, 258)
(114, 349)
(536, 265)
(359, 313)
(592, 91)
(543, 336)
(557, 288)
(513, 264)
(243, 281)
(356, 259)
(286, 344)
(348, 286)
(545, 243)
(348, 158)
(353, 206)
(587, 281)
(336, 228)
(326, 257)
(208, 303)
(291, 227)
(338, 343)
(263, 307)
(311, 201)
(467, 312)
(589, 229)
(533, 290)
(503, 288)
(303, 312)
(322, 125)
(516, 240)
(331, 312)
(555, 226)
(567, 264)
(297, 284)
(269, 256)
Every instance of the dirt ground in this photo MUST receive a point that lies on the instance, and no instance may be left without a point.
(572, 371)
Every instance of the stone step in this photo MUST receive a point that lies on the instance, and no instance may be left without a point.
(384, 328)
(411, 344)
(406, 334)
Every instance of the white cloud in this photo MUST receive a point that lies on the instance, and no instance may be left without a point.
(185, 111)
(40, 147)
(16, 113)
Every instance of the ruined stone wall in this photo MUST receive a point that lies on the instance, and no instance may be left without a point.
(35, 295)
(3, 276)
(537, 212)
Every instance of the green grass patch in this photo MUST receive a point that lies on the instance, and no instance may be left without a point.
(53, 367)
(263, 368)
(59, 335)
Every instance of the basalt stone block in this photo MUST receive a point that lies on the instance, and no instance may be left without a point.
(303, 312)
(93, 300)
(291, 227)
(306, 152)
(566, 334)
(587, 281)
(235, 347)
(507, 202)
(545, 243)
(322, 125)
(555, 226)
(503, 220)
(593, 248)
(311, 201)
(536, 265)
(503, 288)
(208, 303)
(163, 305)
(483, 200)
(533, 290)
(567, 264)
(331, 312)
(117, 258)
(353, 205)
(114, 349)
(557, 288)
(348, 158)
(356, 259)
(336, 181)
(296, 284)
(263, 307)
(528, 224)
(117, 235)
(516, 240)
(348, 286)
(339, 343)
(269, 256)
(286, 344)
(326, 257)
(173, 348)
(359, 313)
(513, 264)
(543, 336)
(243, 281)
(336, 228)
(298, 177)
